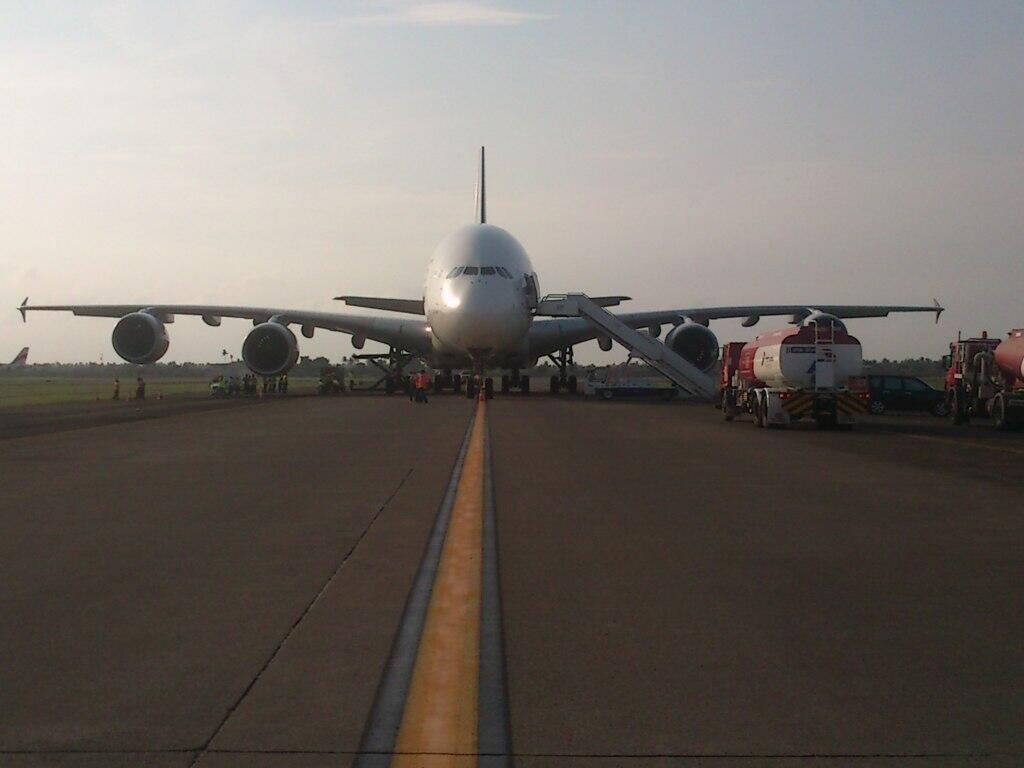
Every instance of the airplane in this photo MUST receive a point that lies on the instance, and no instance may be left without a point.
(478, 311)
(18, 362)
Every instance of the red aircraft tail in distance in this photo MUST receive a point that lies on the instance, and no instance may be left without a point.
(19, 360)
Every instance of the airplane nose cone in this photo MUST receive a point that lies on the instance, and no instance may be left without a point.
(482, 321)
(486, 317)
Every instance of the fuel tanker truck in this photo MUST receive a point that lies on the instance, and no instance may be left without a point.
(795, 373)
(985, 377)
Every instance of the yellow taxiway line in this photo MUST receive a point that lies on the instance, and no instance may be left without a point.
(439, 722)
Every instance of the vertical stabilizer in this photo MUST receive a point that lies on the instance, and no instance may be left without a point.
(481, 192)
(20, 360)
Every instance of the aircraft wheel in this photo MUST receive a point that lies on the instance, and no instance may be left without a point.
(607, 394)
(572, 385)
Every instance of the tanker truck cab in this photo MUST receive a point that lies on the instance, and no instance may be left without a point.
(791, 374)
(985, 377)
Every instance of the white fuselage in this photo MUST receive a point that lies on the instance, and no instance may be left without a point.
(478, 298)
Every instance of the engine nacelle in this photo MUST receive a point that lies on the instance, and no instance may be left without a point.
(695, 343)
(140, 338)
(824, 319)
(270, 349)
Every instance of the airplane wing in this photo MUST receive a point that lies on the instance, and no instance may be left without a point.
(408, 334)
(409, 306)
(547, 336)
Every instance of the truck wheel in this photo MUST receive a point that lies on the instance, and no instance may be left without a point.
(728, 412)
(607, 394)
(999, 413)
(940, 409)
(958, 408)
(877, 407)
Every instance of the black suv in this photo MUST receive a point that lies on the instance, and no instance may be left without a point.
(905, 393)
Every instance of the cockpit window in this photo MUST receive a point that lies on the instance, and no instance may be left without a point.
(470, 271)
(486, 270)
(454, 273)
(504, 273)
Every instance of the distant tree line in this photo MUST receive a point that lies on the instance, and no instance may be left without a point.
(910, 366)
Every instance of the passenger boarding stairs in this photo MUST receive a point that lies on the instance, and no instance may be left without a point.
(673, 367)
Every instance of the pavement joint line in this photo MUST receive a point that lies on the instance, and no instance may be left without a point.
(385, 718)
(970, 443)
(305, 612)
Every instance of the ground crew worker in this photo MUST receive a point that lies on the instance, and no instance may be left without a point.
(117, 390)
(284, 384)
(421, 382)
(140, 389)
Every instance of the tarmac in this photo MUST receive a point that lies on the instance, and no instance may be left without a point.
(551, 581)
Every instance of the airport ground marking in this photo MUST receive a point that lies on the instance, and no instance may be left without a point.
(381, 731)
(439, 723)
(442, 701)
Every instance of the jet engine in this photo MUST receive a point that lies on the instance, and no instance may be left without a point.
(270, 349)
(140, 338)
(695, 343)
(824, 318)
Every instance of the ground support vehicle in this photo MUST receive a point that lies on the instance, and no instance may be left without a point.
(985, 377)
(627, 381)
(330, 381)
(783, 376)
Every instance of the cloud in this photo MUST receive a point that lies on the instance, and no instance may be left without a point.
(461, 13)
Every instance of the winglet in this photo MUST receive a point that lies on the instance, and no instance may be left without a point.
(939, 309)
(22, 309)
(481, 192)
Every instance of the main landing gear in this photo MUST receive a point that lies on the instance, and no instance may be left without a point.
(563, 360)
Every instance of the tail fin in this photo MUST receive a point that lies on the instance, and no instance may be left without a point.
(20, 359)
(481, 192)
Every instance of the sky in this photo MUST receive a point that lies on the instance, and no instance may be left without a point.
(682, 153)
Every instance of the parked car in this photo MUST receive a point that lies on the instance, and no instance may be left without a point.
(904, 393)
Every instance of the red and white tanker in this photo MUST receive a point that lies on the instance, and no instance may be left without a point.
(783, 376)
(985, 377)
